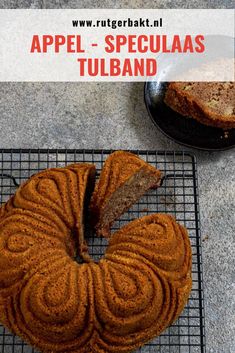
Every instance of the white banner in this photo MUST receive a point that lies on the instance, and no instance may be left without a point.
(117, 45)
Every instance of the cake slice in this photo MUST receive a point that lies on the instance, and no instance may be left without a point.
(123, 180)
(210, 103)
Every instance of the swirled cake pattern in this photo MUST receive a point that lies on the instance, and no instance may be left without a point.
(131, 295)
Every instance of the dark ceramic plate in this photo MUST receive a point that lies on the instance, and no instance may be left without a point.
(181, 129)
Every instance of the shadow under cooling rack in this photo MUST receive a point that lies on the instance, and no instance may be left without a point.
(178, 196)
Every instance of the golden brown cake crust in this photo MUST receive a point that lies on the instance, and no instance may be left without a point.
(210, 103)
(136, 290)
(119, 169)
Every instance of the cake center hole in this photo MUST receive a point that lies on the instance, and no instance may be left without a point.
(96, 245)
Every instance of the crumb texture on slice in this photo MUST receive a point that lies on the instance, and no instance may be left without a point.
(211, 103)
(124, 179)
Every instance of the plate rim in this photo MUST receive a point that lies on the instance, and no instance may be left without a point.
(146, 90)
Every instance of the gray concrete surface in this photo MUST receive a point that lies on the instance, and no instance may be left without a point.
(113, 115)
(73, 4)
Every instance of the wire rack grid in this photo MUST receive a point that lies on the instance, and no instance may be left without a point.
(178, 196)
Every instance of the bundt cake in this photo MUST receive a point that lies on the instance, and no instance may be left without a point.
(58, 305)
(123, 180)
(210, 103)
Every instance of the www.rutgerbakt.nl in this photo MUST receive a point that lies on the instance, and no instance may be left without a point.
(140, 22)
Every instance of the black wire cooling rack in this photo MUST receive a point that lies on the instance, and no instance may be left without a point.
(178, 196)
